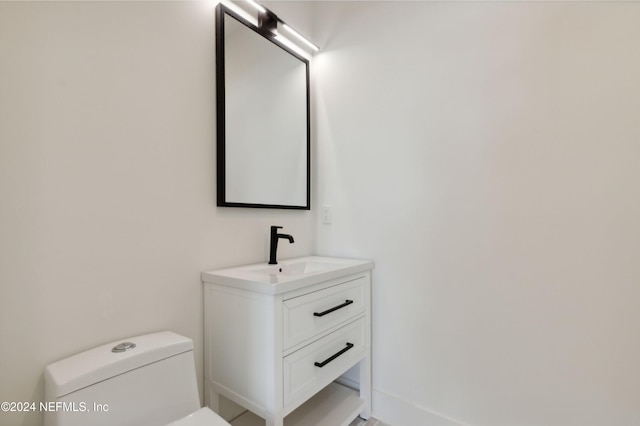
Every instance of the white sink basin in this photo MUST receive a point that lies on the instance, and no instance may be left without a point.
(286, 274)
(295, 268)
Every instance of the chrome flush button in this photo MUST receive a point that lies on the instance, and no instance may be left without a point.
(122, 347)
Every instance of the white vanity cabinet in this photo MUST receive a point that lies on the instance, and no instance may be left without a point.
(277, 338)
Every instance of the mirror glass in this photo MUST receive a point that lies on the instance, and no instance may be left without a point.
(263, 141)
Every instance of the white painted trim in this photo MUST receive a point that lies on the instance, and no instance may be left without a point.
(395, 411)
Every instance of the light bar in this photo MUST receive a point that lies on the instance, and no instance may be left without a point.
(267, 20)
(240, 11)
(293, 46)
(300, 37)
(257, 6)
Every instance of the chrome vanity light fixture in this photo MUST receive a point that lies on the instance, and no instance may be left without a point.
(269, 21)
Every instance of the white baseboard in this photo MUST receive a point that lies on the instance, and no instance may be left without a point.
(395, 411)
(345, 381)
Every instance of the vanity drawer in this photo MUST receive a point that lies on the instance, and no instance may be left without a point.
(309, 369)
(306, 316)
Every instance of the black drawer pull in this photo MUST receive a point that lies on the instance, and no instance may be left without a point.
(334, 356)
(328, 311)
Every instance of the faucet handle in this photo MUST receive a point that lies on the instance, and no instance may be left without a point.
(275, 228)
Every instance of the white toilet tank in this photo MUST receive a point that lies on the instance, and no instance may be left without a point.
(153, 383)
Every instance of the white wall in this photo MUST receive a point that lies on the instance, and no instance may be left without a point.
(485, 154)
(107, 182)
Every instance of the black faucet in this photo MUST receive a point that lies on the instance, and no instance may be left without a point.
(274, 243)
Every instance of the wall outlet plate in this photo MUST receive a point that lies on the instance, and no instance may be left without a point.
(327, 214)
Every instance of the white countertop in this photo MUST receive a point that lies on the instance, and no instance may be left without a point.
(287, 274)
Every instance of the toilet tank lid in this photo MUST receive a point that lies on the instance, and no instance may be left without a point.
(101, 363)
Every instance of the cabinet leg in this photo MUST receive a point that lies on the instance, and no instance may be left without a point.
(365, 386)
(275, 421)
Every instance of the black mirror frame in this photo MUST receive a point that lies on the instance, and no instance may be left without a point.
(221, 10)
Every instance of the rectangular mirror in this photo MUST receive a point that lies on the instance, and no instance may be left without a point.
(263, 128)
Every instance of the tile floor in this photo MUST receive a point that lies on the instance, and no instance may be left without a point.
(371, 422)
(250, 419)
